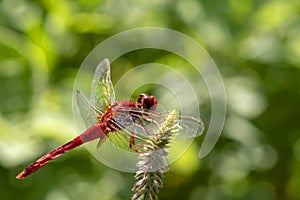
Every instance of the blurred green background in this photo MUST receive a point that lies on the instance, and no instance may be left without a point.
(255, 44)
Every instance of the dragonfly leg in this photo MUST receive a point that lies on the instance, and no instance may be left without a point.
(142, 146)
(100, 142)
(141, 125)
(147, 144)
(132, 143)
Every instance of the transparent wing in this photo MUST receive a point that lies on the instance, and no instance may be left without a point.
(102, 93)
(149, 123)
(130, 133)
(136, 130)
(122, 140)
(118, 150)
(189, 127)
(87, 111)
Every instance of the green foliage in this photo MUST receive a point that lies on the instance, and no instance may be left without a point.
(256, 45)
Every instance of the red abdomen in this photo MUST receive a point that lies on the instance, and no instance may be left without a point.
(96, 131)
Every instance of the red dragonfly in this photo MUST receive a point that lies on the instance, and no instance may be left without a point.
(130, 122)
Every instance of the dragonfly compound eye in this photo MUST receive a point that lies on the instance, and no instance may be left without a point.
(146, 102)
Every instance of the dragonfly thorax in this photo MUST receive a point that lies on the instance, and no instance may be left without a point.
(117, 113)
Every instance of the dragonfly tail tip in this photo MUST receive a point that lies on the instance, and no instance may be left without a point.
(20, 175)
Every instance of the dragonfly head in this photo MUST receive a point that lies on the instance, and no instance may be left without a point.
(146, 102)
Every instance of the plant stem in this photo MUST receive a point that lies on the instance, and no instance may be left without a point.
(153, 162)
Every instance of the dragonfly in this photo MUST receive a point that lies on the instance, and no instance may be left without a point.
(130, 122)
